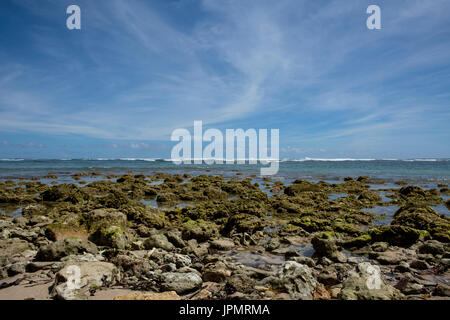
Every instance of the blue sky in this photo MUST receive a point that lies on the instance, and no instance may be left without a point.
(140, 69)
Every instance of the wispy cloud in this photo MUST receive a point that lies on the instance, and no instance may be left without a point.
(137, 71)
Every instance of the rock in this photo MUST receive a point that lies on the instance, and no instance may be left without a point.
(86, 257)
(216, 272)
(10, 247)
(445, 262)
(237, 296)
(74, 281)
(412, 288)
(65, 192)
(26, 235)
(304, 260)
(168, 295)
(180, 282)
(396, 235)
(158, 241)
(200, 230)
(137, 245)
(358, 242)
(169, 267)
(204, 294)
(61, 248)
(402, 267)
(379, 246)
(21, 221)
(325, 245)
(180, 260)
(200, 250)
(33, 210)
(108, 227)
(335, 291)
(272, 244)
(419, 264)
(423, 218)
(320, 293)
(16, 268)
(239, 282)
(222, 244)
(37, 265)
(328, 276)
(298, 280)
(442, 290)
(175, 238)
(389, 257)
(369, 196)
(368, 285)
(110, 236)
(432, 247)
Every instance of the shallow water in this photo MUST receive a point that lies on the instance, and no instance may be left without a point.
(441, 209)
(334, 196)
(384, 198)
(156, 183)
(14, 212)
(376, 187)
(379, 211)
(154, 203)
(305, 250)
(412, 171)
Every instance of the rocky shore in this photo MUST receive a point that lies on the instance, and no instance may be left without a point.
(164, 236)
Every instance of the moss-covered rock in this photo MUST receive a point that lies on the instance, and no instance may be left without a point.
(358, 242)
(108, 227)
(396, 235)
(369, 196)
(312, 224)
(300, 186)
(199, 229)
(423, 218)
(243, 223)
(65, 192)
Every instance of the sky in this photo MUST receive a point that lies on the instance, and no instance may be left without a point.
(137, 70)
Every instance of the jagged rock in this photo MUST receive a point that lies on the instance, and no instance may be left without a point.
(175, 238)
(216, 272)
(297, 280)
(74, 281)
(325, 245)
(368, 285)
(180, 260)
(222, 244)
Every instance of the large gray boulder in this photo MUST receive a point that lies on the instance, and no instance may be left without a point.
(62, 248)
(158, 241)
(74, 281)
(298, 280)
(366, 284)
(180, 282)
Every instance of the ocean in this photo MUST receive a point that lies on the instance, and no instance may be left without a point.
(414, 171)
